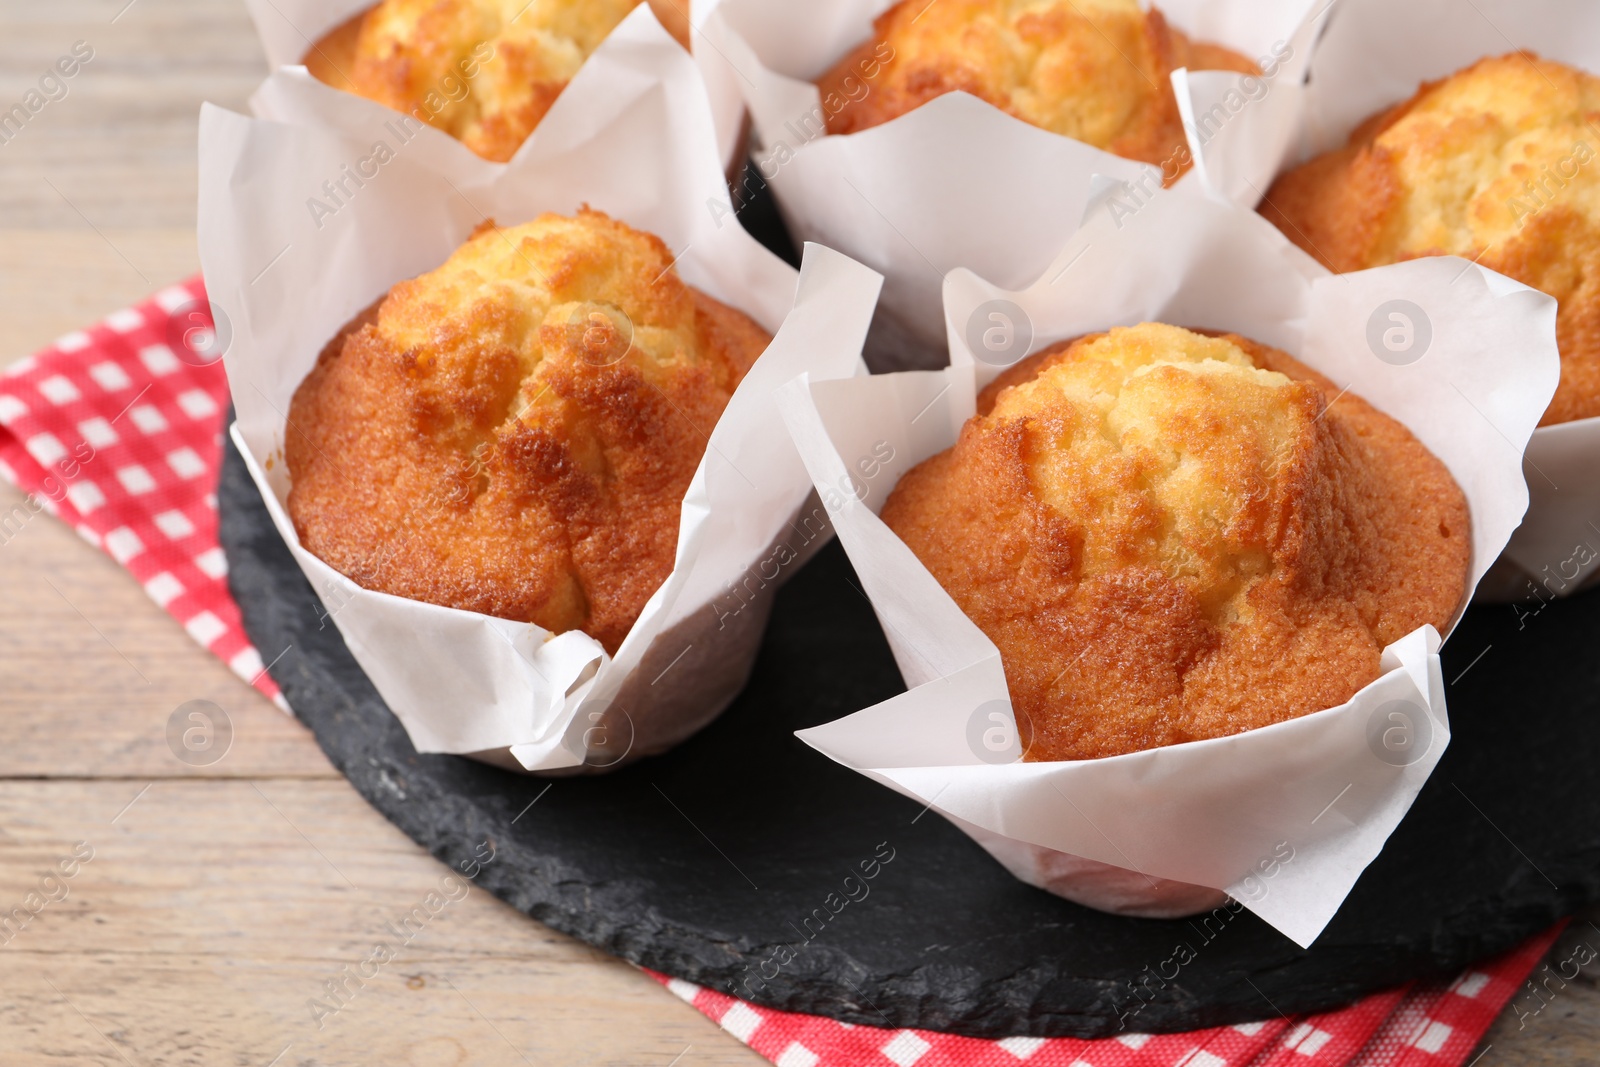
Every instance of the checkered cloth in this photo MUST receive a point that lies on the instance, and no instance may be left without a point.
(117, 430)
(1415, 1026)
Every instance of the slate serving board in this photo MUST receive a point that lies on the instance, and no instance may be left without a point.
(706, 863)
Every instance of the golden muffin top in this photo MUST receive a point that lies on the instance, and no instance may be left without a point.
(1166, 449)
(1172, 536)
(1495, 163)
(484, 71)
(513, 433)
(1095, 70)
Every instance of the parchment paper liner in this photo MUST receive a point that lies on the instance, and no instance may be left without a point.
(283, 278)
(1216, 814)
(958, 183)
(1376, 54)
(288, 29)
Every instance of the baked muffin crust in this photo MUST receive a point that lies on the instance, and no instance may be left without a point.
(1095, 70)
(1495, 163)
(513, 433)
(484, 71)
(1172, 537)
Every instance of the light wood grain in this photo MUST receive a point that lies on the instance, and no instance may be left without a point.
(217, 906)
(219, 903)
(214, 913)
(91, 669)
(57, 281)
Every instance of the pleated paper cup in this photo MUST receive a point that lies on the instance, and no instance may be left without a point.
(1284, 818)
(290, 28)
(288, 263)
(1376, 54)
(959, 183)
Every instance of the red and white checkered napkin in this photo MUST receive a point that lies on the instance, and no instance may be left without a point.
(117, 430)
(1415, 1026)
(115, 434)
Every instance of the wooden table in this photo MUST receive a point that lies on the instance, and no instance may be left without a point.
(219, 900)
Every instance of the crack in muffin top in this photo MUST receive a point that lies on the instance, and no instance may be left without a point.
(513, 433)
(1171, 536)
(1496, 164)
(484, 71)
(1094, 70)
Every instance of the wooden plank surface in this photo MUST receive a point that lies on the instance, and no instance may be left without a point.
(217, 906)
(220, 900)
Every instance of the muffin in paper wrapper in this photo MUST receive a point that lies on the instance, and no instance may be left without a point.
(289, 28)
(1376, 54)
(284, 275)
(1282, 818)
(960, 183)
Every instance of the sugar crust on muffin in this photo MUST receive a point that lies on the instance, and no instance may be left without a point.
(513, 433)
(1172, 537)
(1095, 70)
(484, 71)
(1495, 163)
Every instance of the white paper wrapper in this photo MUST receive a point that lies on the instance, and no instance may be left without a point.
(288, 29)
(1324, 790)
(1376, 53)
(287, 278)
(958, 183)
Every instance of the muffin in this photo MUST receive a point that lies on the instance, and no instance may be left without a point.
(514, 432)
(1094, 70)
(483, 71)
(1494, 164)
(1171, 536)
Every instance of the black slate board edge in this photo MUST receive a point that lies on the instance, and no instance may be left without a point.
(431, 799)
(1037, 999)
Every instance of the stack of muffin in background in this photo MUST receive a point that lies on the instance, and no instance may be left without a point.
(1173, 500)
